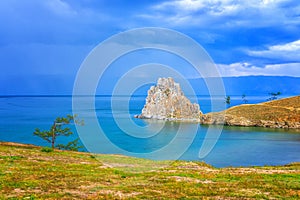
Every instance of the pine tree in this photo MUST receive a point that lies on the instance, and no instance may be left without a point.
(59, 129)
(228, 100)
(244, 98)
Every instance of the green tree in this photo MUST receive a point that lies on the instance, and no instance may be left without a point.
(274, 96)
(228, 100)
(245, 100)
(59, 129)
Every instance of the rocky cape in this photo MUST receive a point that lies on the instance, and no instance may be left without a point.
(166, 101)
(283, 113)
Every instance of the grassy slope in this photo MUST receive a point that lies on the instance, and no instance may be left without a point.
(283, 113)
(26, 172)
(287, 109)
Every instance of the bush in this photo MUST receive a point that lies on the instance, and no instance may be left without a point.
(47, 149)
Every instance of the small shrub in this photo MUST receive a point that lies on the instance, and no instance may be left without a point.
(31, 197)
(47, 149)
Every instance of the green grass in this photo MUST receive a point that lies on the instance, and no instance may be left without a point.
(28, 173)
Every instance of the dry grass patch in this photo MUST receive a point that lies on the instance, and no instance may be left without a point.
(28, 173)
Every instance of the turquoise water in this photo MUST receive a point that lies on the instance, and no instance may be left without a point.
(237, 146)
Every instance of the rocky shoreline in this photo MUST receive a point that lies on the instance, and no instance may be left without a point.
(231, 120)
(283, 113)
(166, 101)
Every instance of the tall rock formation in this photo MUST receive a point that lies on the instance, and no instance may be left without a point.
(166, 101)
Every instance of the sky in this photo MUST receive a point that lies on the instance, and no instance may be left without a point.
(43, 43)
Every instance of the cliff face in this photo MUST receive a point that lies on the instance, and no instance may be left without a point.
(166, 101)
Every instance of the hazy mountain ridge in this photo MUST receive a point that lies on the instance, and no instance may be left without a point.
(253, 85)
(57, 84)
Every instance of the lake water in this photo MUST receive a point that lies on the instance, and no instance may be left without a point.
(236, 146)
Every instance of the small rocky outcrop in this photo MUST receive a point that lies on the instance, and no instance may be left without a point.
(166, 101)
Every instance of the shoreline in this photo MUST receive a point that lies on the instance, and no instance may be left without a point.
(280, 114)
(29, 173)
(32, 146)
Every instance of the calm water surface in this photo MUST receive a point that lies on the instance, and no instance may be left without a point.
(237, 146)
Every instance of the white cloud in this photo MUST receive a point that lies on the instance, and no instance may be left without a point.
(288, 52)
(246, 69)
(226, 13)
(60, 8)
(292, 46)
(191, 12)
(213, 6)
(188, 5)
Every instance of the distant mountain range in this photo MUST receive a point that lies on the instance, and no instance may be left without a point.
(62, 85)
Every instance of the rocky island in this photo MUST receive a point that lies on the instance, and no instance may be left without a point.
(166, 101)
